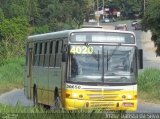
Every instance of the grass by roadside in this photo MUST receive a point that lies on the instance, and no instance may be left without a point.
(20, 109)
(19, 112)
(11, 74)
(148, 85)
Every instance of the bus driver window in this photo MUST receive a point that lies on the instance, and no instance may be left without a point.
(74, 67)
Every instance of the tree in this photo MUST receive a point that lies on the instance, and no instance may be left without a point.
(33, 12)
(13, 33)
(65, 14)
(128, 8)
(20, 18)
(1, 15)
(14, 8)
(151, 22)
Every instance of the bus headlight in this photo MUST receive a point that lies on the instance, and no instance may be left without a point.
(130, 96)
(74, 95)
(125, 97)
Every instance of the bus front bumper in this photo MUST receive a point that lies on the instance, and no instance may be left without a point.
(73, 104)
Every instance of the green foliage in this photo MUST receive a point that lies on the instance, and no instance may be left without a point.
(20, 110)
(14, 8)
(13, 33)
(20, 18)
(57, 26)
(40, 29)
(128, 8)
(63, 15)
(15, 28)
(151, 21)
(1, 15)
(33, 12)
(11, 74)
(148, 83)
(40, 13)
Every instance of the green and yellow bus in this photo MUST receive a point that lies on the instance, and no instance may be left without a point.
(85, 68)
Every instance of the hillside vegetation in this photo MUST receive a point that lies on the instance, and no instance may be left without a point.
(11, 74)
(148, 85)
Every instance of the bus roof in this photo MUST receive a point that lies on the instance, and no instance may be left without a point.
(66, 33)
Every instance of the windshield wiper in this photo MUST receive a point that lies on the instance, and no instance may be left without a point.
(113, 52)
(98, 60)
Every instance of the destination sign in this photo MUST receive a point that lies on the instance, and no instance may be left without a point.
(105, 37)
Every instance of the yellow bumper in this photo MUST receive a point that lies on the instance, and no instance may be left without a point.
(73, 104)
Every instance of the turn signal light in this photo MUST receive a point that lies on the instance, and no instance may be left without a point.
(67, 95)
(135, 96)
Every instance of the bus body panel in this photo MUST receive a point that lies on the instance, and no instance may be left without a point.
(74, 104)
(103, 97)
(54, 81)
(46, 79)
(42, 84)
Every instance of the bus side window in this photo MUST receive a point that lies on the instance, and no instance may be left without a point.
(58, 53)
(46, 54)
(27, 53)
(45, 47)
(36, 54)
(57, 47)
(41, 55)
(52, 54)
(74, 67)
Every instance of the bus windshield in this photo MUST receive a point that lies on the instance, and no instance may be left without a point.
(102, 63)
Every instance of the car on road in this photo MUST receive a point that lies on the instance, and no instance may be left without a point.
(92, 21)
(138, 26)
(105, 20)
(112, 19)
(122, 27)
(133, 23)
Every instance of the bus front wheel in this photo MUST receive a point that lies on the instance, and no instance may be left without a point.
(35, 97)
(57, 98)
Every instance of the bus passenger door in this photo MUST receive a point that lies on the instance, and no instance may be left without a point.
(29, 72)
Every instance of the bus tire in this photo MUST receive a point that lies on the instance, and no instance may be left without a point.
(35, 97)
(57, 99)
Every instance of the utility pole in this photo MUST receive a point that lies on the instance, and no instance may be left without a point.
(103, 9)
(97, 5)
(144, 7)
(98, 15)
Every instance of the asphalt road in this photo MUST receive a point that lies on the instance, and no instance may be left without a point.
(16, 96)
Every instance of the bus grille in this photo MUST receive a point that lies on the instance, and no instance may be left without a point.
(102, 97)
(101, 105)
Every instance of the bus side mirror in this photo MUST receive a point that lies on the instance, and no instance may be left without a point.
(140, 58)
(64, 57)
